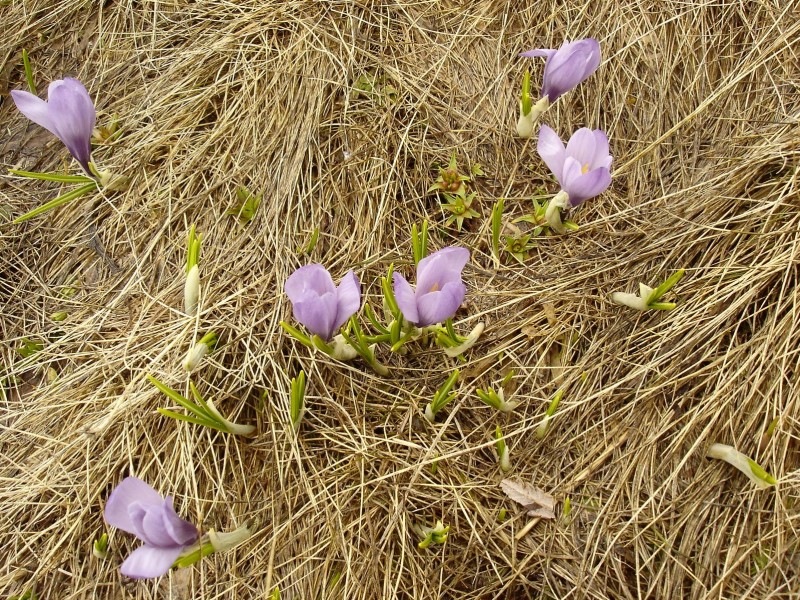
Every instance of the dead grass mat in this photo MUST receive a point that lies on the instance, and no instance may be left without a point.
(700, 100)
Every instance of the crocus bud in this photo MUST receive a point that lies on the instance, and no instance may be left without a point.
(191, 290)
(137, 508)
(568, 66)
(745, 464)
(440, 290)
(318, 304)
(68, 114)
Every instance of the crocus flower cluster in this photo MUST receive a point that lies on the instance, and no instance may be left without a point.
(582, 168)
(68, 113)
(323, 308)
(137, 508)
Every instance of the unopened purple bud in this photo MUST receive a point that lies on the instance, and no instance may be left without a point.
(568, 66)
(68, 114)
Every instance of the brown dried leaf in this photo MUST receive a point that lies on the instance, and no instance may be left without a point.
(537, 502)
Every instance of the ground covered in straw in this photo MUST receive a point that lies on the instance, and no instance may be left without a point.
(336, 112)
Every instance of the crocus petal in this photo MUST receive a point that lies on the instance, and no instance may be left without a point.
(582, 147)
(602, 158)
(310, 277)
(148, 561)
(571, 171)
(348, 299)
(539, 52)
(34, 108)
(588, 185)
(440, 268)
(552, 151)
(130, 490)
(438, 306)
(406, 300)
(317, 312)
(151, 529)
(72, 113)
(180, 530)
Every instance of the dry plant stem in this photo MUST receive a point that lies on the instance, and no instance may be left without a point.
(699, 102)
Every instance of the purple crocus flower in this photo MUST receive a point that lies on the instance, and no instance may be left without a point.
(440, 290)
(566, 67)
(582, 168)
(137, 508)
(68, 114)
(318, 304)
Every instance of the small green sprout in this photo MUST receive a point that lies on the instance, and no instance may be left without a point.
(28, 595)
(518, 246)
(106, 134)
(275, 595)
(460, 207)
(450, 181)
(309, 246)
(100, 547)
(30, 347)
(544, 426)
(297, 400)
(501, 516)
(433, 535)
(246, 206)
(442, 397)
(567, 509)
(58, 316)
(648, 297)
(496, 399)
(206, 344)
(202, 412)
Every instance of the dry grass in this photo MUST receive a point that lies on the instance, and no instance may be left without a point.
(700, 100)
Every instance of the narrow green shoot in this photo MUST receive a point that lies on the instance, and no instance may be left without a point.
(56, 202)
(201, 411)
(497, 224)
(309, 246)
(503, 457)
(297, 400)
(57, 177)
(297, 334)
(193, 248)
(26, 63)
(544, 425)
(419, 242)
